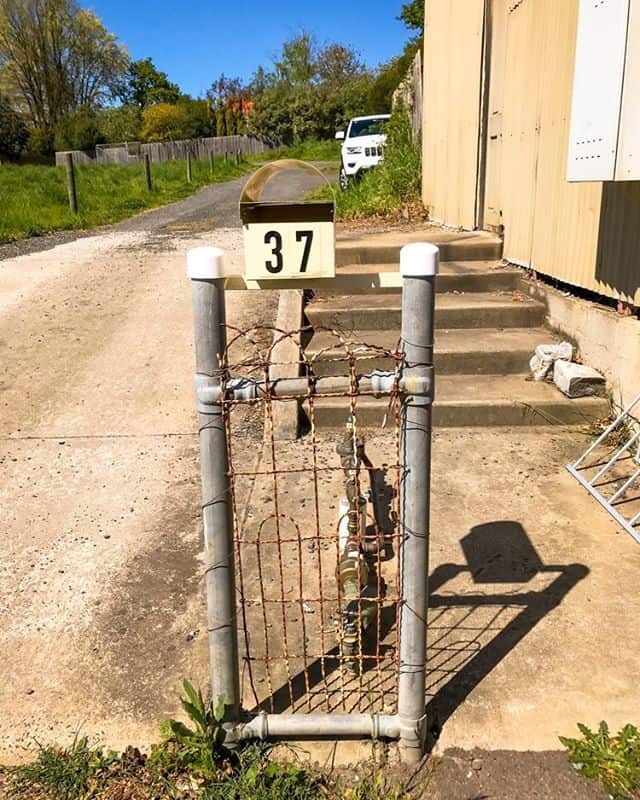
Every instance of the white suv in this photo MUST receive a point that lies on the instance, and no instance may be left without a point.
(363, 146)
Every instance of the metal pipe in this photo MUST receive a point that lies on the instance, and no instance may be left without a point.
(614, 458)
(606, 433)
(205, 268)
(377, 383)
(419, 267)
(318, 726)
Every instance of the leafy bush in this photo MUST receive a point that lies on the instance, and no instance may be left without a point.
(614, 761)
(79, 130)
(13, 131)
(393, 185)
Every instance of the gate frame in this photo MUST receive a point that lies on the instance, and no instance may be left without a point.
(419, 264)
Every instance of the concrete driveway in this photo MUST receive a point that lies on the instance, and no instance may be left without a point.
(101, 607)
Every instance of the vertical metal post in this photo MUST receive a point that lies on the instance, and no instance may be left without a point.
(189, 170)
(205, 268)
(71, 183)
(419, 267)
(147, 172)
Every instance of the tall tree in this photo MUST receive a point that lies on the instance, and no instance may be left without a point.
(146, 85)
(297, 64)
(57, 58)
(412, 14)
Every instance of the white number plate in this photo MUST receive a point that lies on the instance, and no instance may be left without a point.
(289, 250)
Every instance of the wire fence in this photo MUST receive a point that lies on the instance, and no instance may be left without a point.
(316, 547)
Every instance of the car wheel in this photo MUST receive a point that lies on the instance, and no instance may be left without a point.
(344, 180)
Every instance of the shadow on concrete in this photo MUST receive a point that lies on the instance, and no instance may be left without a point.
(499, 554)
(471, 629)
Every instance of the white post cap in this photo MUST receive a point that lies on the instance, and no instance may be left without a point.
(206, 263)
(419, 260)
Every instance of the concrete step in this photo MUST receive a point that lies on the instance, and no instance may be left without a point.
(455, 276)
(360, 248)
(383, 312)
(457, 352)
(479, 401)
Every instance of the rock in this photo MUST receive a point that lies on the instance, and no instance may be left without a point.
(577, 380)
(476, 764)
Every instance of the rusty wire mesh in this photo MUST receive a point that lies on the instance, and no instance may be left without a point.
(285, 497)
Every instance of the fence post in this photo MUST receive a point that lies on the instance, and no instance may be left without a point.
(147, 172)
(189, 171)
(211, 163)
(205, 268)
(71, 182)
(238, 157)
(419, 267)
(226, 156)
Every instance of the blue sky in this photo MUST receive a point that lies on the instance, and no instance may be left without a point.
(195, 42)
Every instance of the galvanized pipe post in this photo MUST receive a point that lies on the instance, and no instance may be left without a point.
(419, 267)
(205, 268)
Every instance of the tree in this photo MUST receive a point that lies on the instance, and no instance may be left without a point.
(412, 14)
(186, 119)
(120, 124)
(146, 85)
(13, 131)
(338, 64)
(297, 64)
(57, 58)
(79, 130)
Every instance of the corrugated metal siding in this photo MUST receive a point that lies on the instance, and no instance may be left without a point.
(587, 234)
(452, 82)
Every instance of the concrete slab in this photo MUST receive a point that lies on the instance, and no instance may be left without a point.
(528, 633)
(454, 276)
(473, 310)
(481, 400)
(356, 247)
(460, 351)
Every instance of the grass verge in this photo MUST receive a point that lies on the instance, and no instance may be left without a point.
(33, 199)
(312, 150)
(191, 762)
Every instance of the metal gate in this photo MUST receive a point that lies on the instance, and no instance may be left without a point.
(317, 551)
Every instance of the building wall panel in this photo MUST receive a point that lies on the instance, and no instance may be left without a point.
(452, 83)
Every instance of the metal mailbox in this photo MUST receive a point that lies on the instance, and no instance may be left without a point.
(286, 239)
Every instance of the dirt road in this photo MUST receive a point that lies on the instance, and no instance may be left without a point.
(100, 606)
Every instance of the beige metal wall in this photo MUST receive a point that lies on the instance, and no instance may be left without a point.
(585, 234)
(451, 108)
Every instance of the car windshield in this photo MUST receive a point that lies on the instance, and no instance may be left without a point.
(367, 127)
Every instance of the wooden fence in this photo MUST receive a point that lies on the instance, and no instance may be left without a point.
(133, 152)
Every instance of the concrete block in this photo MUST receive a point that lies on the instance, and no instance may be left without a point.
(577, 380)
(285, 357)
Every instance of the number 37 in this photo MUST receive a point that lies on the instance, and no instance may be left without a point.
(274, 240)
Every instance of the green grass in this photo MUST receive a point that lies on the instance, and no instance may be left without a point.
(33, 199)
(390, 188)
(191, 762)
(312, 150)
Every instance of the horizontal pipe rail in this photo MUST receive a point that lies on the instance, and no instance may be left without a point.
(210, 392)
(318, 726)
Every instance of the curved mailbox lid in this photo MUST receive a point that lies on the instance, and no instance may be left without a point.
(290, 238)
